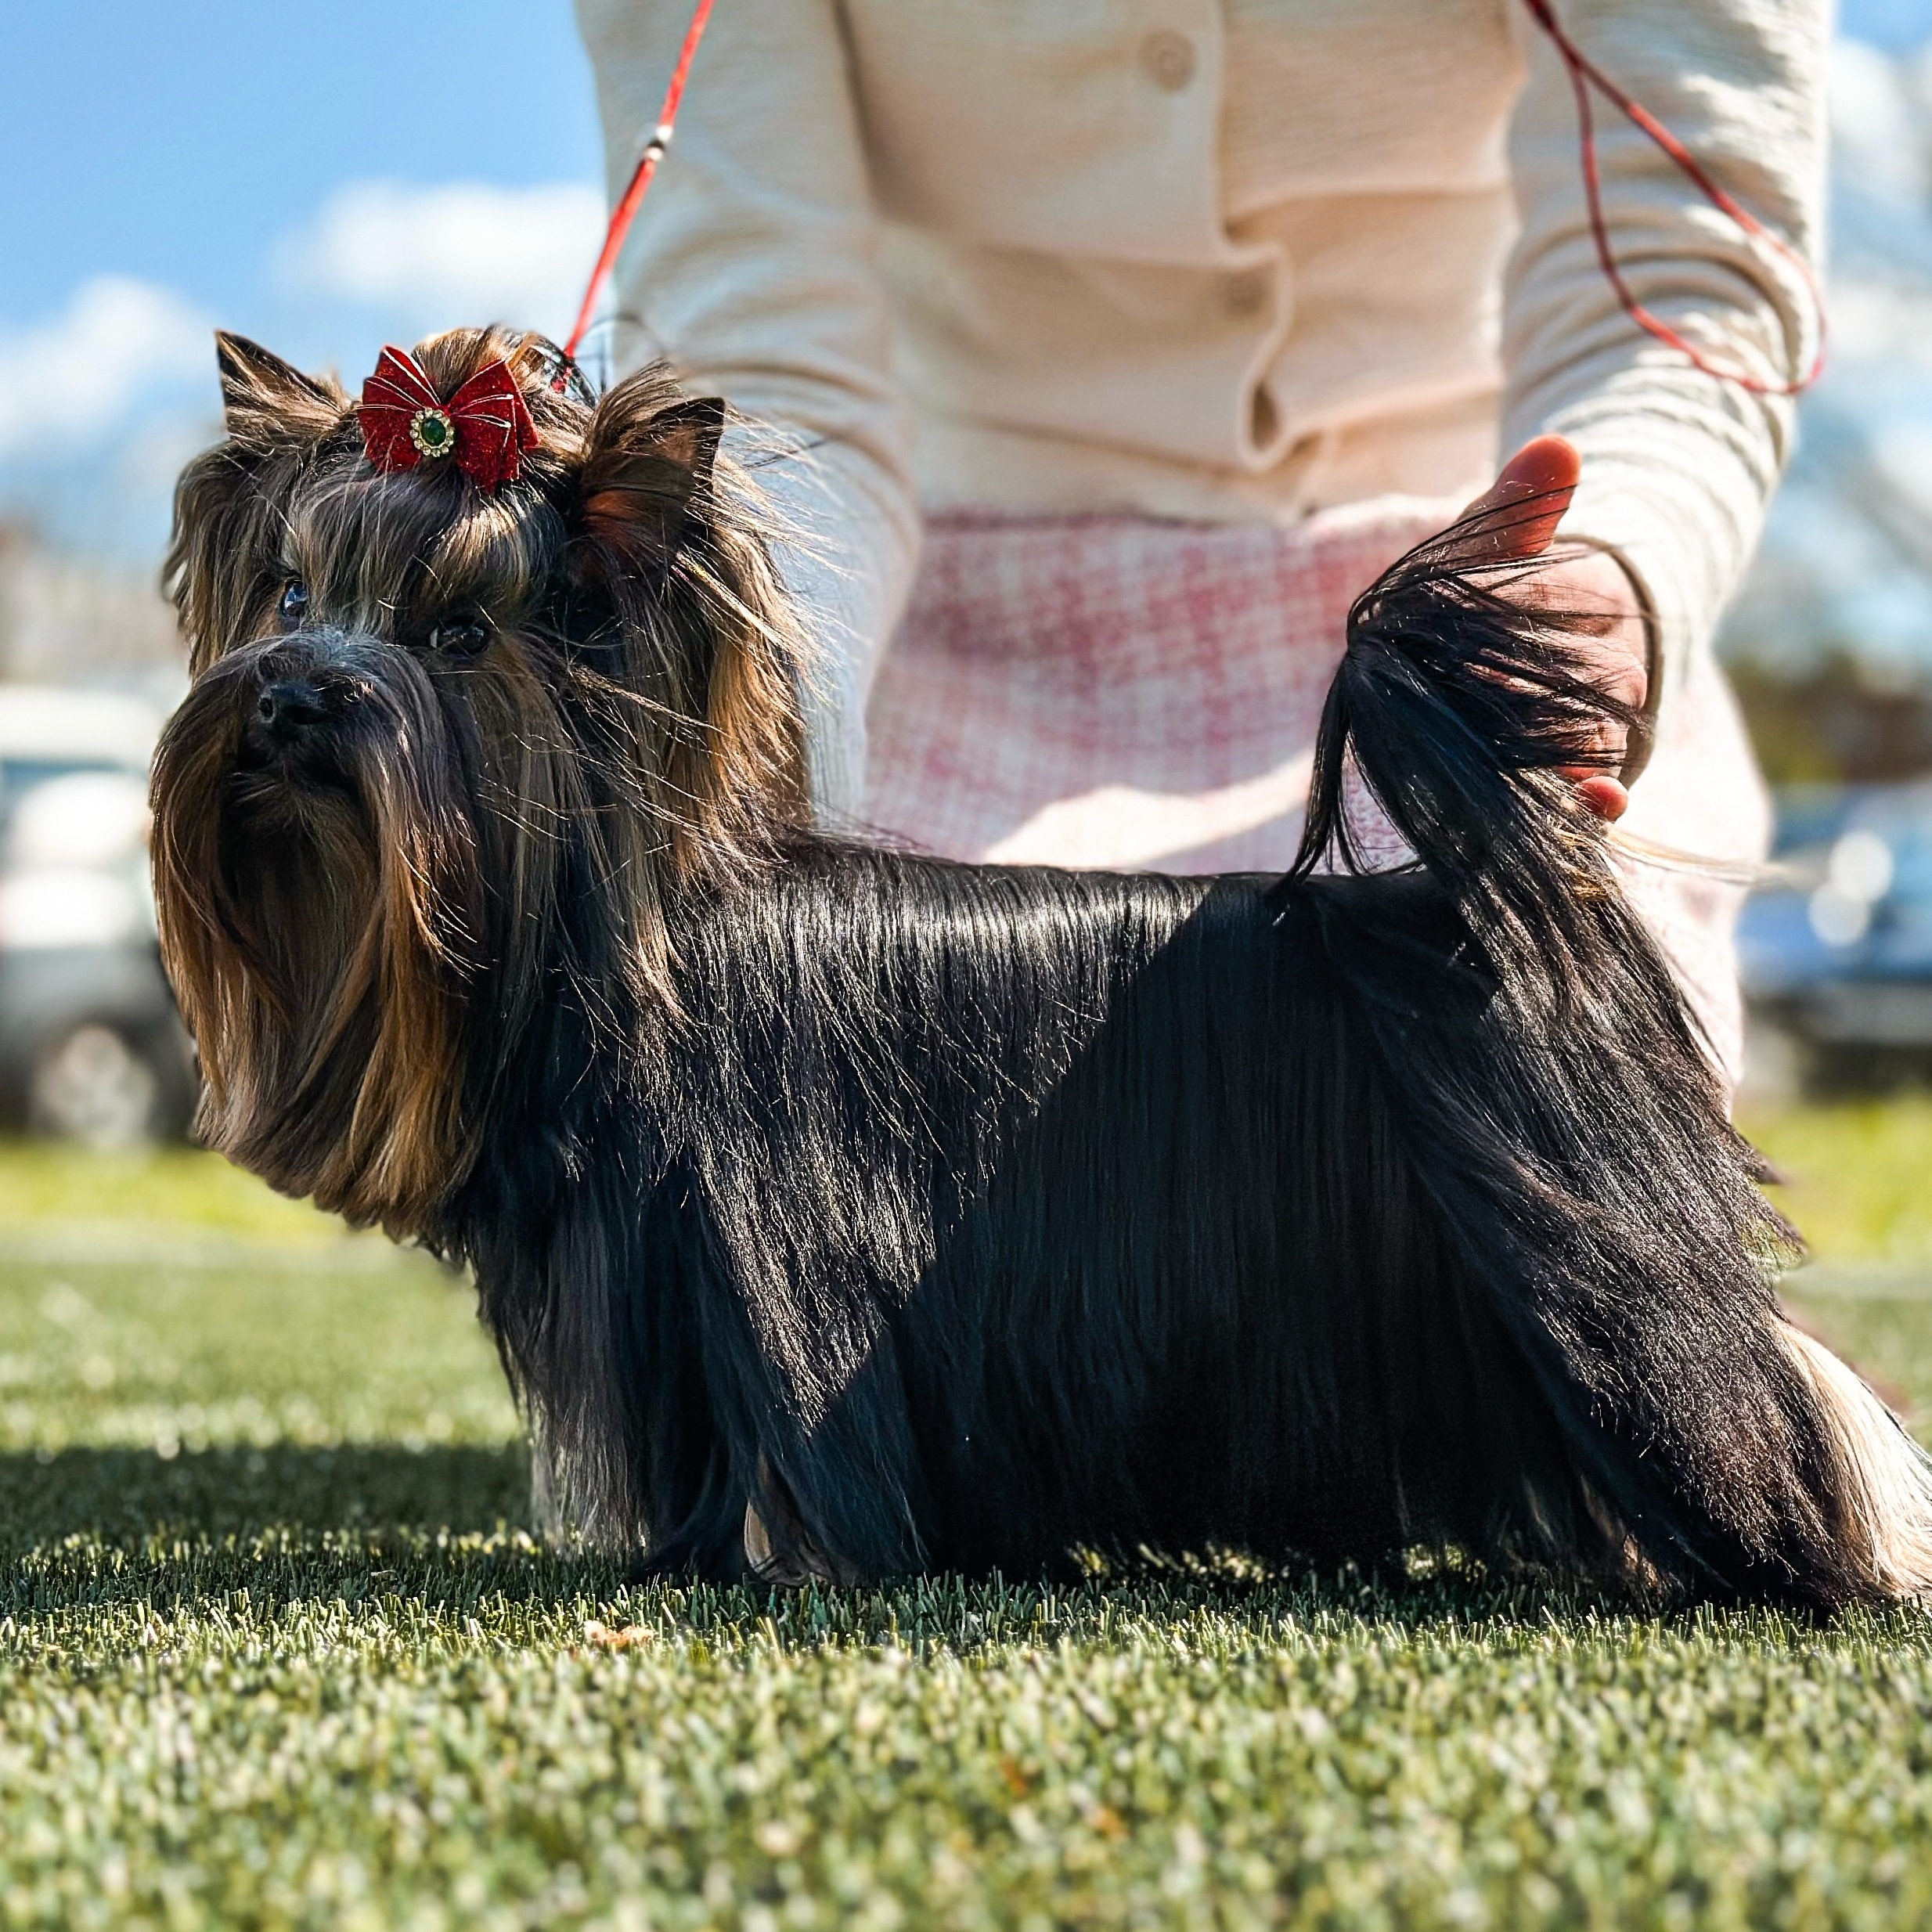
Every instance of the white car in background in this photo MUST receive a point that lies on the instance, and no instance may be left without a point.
(91, 1046)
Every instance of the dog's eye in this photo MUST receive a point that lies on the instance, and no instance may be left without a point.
(464, 639)
(294, 604)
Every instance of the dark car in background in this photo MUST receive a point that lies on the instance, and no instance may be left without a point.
(1836, 950)
(91, 1046)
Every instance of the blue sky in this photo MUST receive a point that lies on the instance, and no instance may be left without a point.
(326, 176)
(177, 142)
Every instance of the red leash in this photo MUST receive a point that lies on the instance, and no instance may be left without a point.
(626, 209)
(1584, 75)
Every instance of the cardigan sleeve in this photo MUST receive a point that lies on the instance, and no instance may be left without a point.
(752, 268)
(1677, 465)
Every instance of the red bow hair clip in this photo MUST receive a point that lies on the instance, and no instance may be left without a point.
(485, 426)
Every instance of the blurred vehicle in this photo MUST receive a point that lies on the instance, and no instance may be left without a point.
(91, 1048)
(1836, 953)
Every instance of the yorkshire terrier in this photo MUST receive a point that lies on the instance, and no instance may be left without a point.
(839, 1212)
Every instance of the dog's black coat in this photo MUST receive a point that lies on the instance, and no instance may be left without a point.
(1104, 1232)
(972, 1214)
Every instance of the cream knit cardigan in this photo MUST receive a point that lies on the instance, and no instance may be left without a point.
(1215, 259)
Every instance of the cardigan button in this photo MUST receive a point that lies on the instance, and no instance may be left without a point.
(1167, 60)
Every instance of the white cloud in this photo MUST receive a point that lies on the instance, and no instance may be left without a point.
(1875, 122)
(1904, 452)
(1878, 321)
(439, 258)
(70, 380)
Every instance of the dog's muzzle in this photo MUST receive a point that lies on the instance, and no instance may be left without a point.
(305, 693)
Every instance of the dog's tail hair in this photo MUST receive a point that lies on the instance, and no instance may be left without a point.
(1566, 1118)
(1460, 706)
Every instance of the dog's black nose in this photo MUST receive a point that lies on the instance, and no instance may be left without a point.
(291, 706)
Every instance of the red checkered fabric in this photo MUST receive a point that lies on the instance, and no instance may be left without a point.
(1119, 692)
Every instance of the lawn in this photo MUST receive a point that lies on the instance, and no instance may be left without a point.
(277, 1650)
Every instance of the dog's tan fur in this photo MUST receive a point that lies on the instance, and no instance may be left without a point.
(1885, 1479)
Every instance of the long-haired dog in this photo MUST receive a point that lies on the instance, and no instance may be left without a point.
(839, 1212)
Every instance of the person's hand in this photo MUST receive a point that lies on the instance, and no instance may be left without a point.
(1614, 646)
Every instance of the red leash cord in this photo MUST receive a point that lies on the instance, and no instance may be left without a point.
(626, 209)
(1584, 75)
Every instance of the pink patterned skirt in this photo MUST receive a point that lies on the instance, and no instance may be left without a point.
(1122, 693)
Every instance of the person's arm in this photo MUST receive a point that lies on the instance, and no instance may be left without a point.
(1676, 466)
(751, 269)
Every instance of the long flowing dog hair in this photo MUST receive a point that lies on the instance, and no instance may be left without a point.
(840, 1211)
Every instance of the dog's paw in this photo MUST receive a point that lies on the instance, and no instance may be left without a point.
(778, 1553)
(793, 1568)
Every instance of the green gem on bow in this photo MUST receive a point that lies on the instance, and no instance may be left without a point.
(432, 432)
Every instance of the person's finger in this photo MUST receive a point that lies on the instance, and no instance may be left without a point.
(1516, 516)
(1543, 472)
(1604, 795)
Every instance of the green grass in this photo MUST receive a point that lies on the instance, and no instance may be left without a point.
(276, 1649)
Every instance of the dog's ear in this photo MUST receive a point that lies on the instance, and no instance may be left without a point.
(647, 464)
(721, 660)
(228, 502)
(266, 402)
